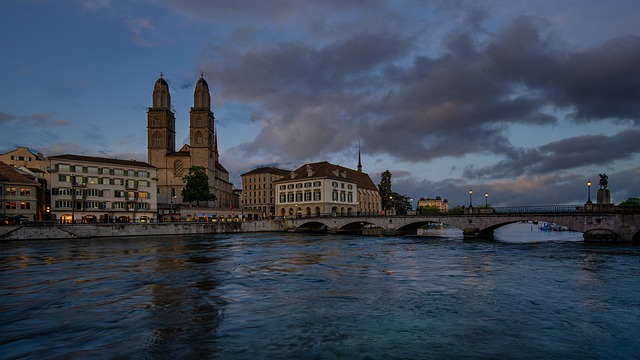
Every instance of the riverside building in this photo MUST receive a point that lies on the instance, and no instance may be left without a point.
(258, 191)
(437, 203)
(93, 189)
(19, 196)
(325, 189)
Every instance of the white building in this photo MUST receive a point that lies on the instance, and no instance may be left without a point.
(95, 189)
(324, 189)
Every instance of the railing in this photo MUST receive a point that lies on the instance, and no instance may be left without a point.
(539, 209)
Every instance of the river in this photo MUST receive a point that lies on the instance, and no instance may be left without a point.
(527, 295)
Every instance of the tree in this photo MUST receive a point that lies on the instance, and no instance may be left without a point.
(632, 201)
(391, 199)
(401, 203)
(385, 188)
(429, 209)
(197, 186)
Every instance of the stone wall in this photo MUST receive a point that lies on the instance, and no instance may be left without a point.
(37, 231)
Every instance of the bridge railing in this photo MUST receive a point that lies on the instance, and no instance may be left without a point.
(539, 209)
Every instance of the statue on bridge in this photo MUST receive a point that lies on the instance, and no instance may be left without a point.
(604, 181)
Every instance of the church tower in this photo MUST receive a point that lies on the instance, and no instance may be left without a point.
(202, 139)
(161, 125)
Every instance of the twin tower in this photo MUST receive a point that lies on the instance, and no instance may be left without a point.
(202, 149)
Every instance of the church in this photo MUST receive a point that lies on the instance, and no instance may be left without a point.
(202, 149)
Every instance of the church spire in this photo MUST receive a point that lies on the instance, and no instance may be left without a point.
(359, 159)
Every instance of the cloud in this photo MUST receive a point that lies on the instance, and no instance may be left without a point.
(142, 29)
(315, 99)
(40, 119)
(566, 154)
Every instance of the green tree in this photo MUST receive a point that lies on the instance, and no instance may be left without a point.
(457, 210)
(401, 203)
(632, 201)
(433, 209)
(197, 186)
(385, 189)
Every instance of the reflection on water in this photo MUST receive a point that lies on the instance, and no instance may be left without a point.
(246, 296)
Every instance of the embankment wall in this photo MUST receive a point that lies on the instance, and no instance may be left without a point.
(82, 231)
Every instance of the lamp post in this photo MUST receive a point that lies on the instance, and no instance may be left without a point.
(589, 187)
(486, 200)
(470, 202)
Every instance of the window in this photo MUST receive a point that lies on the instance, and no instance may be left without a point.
(178, 168)
(349, 186)
(290, 186)
(290, 197)
(334, 195)
(307, 196)
(62, 204)
(317, 195)
(92, 180)
(25, 205)
(118, 172)
(299, 196)
(343, 196)
(63, 167)
(299, 186)
(25, 191)
(350, 197)
(283, 198)
(307, 184)
(283, 187)
(11, 191)
(94, 192)
(334, 184)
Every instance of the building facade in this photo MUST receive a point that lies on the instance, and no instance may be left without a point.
(258, 192)
(202, 149)
(19, 195)
(94, 189)
(24, 157)
(324, 189)
(437, 203)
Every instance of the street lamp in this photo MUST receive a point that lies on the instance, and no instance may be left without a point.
(486, 200)
(589, 187)
(470, 202)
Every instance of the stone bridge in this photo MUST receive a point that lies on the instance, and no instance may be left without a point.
(615, 225)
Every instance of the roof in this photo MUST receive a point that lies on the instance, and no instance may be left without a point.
(101, 160)
(327, 170)
(10, 175)
(268, 170)
(202, 82)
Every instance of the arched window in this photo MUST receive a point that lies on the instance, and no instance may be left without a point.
(198, 138)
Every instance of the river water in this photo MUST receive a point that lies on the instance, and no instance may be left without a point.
(527, 295)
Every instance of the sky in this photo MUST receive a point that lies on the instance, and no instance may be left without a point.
(525, 100)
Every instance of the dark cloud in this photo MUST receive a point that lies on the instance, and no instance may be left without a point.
(570, 153)
(317, 99)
